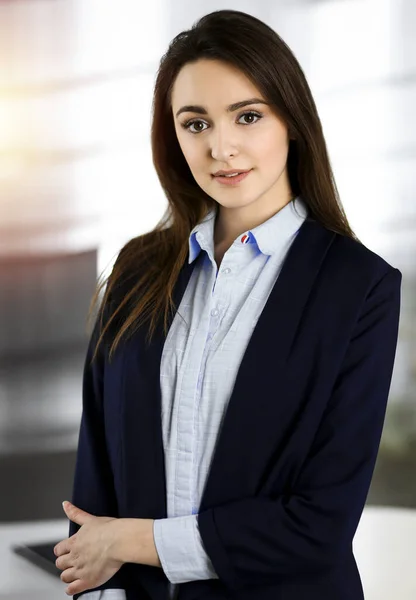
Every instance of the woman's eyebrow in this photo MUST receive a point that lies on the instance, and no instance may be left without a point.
(203, 111)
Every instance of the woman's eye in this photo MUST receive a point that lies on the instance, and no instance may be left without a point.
(250, 114)
(191, 123)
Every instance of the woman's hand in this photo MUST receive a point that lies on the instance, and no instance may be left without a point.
(87, 558)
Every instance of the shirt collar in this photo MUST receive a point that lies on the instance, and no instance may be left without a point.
(269, 236)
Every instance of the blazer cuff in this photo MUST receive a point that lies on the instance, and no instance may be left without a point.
(180, 549)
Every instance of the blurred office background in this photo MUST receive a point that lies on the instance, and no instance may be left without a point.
(77, 181)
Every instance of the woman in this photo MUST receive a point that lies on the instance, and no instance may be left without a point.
(226, 450)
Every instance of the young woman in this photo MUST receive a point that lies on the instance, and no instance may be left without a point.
(236, 379)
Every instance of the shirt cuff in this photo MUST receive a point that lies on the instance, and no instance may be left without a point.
(104, 595)
(180, 549)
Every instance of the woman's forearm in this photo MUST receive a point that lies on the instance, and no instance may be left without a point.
(134, 542)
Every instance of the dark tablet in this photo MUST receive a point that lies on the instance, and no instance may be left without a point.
(40, 555)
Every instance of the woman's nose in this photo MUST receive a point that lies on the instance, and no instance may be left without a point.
(222, 144)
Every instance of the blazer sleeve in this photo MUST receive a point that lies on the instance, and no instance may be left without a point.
(93, 487)
(263, 540)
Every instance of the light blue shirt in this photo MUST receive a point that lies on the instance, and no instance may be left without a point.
(199, 364)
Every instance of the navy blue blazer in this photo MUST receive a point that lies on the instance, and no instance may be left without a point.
(296, 453)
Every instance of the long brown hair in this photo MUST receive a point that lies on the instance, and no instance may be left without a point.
(258, 51)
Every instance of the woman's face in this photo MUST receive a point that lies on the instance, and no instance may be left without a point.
(250, 137)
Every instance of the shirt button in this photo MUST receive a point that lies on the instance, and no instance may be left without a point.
(227, 270)
(214, 312)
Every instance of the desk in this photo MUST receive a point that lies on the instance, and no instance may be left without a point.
(385, 550)
(20, 579)
(384, 547)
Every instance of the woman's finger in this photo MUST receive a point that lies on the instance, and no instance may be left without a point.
(76, 587)
(68, 576)
(63, 562)
(62, 548)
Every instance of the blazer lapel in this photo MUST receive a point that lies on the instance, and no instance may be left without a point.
(142, 430)
(266, 353)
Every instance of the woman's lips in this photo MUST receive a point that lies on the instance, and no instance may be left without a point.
(231, 180)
